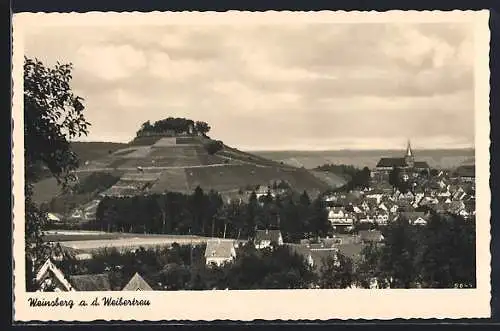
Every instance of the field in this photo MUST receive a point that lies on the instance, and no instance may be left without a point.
(435, 158)
(94, 150)
(93, 241)
(171, 180)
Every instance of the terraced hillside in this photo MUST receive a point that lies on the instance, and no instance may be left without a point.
(180, 164)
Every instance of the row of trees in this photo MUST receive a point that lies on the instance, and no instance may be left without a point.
(80, 193)
(206, 214)
(175, 124)
(356, 178)
(184, 268)
(441, 255)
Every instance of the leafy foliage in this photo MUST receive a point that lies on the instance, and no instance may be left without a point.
(439, 255)
(357, 178)
(337, 272)
(183, 268)
(175, 125)
(213, 146)
(53, 115)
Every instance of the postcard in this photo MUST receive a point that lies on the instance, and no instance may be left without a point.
(201, 166)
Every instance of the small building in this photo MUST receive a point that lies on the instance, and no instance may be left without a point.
(414, 218)
(54, 217)
(50, 279)
(220, 252)
(338, 216)
(267, 238)
(137, 283)
(466, 173)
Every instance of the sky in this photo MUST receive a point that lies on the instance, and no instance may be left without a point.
(275, 87)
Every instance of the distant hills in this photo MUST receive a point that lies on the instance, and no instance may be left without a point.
(180, 163)
(438, 158)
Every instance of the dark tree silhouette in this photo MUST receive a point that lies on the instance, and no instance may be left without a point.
(53, 115)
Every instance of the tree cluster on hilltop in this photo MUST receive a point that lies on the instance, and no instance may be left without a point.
(176, 125)
(205, 214)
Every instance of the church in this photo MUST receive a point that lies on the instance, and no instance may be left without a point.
(406, 163)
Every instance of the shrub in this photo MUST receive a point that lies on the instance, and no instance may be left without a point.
(213, 146)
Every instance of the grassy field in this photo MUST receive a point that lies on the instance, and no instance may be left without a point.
(94, 150)
(66, 236)
(86, 242)
(171, 180)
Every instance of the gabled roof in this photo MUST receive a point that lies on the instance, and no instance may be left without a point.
(49, 267)
(137, 283)
(220, 248)
(95, 282)
(388, 162)
(264, 235)
(413, 215)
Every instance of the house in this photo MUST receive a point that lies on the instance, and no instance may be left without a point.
(394, 208)
(370, 236)
(54, 217)
(415, 217)
(466, 173)
(382, 206)
(267, 238)
(220, 251)
(91, 282)
(375, 195)
(50, 279)
(86, 212)
(365, 218)
(137, 283)
(382, 218)
(264, 191)
(357, 210)
(338, 216)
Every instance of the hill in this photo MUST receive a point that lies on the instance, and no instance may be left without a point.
(156, 164)
(437, 158)
(94, 150)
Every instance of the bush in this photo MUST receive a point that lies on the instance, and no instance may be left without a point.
(213, 146)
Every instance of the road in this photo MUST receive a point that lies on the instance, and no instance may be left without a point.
(156, 168)
(166, 168)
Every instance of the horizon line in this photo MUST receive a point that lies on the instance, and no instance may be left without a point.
(309, 150)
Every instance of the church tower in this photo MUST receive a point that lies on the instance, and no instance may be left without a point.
(409, 159)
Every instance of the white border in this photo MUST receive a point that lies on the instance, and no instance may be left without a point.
(268, 304)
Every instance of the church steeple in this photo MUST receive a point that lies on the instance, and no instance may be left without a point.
(409, 158)
(409, 152)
